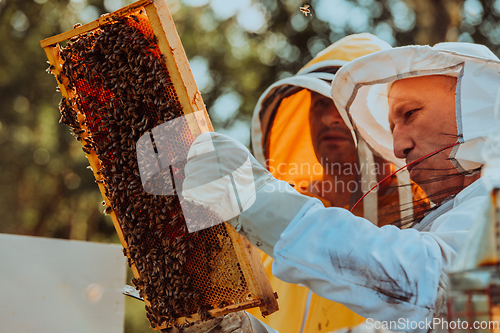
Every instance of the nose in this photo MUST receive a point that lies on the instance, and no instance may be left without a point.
(402, 142)
(332, 117)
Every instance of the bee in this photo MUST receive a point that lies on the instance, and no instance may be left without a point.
(306, 9)
(222, 304)
(78, 131)
(50, 69)
(204, 314)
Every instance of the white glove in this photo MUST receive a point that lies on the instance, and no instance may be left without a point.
(224, 177)
(236, 322)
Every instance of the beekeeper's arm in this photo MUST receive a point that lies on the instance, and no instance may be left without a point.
(383, 273)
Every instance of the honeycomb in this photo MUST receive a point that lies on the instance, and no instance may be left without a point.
(119, 88)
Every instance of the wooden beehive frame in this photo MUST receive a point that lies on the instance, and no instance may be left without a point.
(190, 98)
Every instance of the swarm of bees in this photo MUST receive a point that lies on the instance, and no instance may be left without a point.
(123, 90)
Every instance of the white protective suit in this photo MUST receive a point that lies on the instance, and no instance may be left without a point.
(388, 273)
(384, 273)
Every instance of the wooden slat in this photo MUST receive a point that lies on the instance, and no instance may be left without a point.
(177, 63)
(254, 272)
(269, 303)
(216, 312)
(52, 53)
(106, 18)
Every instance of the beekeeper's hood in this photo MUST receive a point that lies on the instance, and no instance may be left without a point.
(361, 88)
(281, 138)
(280, 124)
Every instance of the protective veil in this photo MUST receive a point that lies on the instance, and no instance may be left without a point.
(281, 141)
(361, 93)
(396, 274)
(281, 138)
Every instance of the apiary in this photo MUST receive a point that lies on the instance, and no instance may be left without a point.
(120, 76)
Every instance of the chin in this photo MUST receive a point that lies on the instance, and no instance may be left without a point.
(438, 191)
(414, 177)
(335, 150)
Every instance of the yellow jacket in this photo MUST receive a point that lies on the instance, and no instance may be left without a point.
(297, 303)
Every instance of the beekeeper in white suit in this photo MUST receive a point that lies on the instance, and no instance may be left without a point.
(406, 103)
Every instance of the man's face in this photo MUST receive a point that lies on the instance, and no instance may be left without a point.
(423, 120)
(332, 140)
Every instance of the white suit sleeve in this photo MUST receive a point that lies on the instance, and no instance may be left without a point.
(384, 273)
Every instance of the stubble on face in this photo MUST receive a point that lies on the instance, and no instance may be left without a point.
(331, 138)
(423, 120)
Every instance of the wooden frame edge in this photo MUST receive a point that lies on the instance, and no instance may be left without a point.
(52, 52)
(258, 283)
(177, 63)
(215, 312)
(94, 24)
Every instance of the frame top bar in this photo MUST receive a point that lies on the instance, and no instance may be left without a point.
(94, 24)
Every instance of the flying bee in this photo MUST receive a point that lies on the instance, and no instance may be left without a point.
(306, 9)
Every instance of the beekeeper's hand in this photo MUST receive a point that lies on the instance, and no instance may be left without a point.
(236, 322)
(224, 177)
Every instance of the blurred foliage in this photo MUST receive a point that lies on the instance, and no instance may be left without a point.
(236, 48)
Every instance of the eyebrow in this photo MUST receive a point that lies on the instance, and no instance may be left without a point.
(397, 110)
